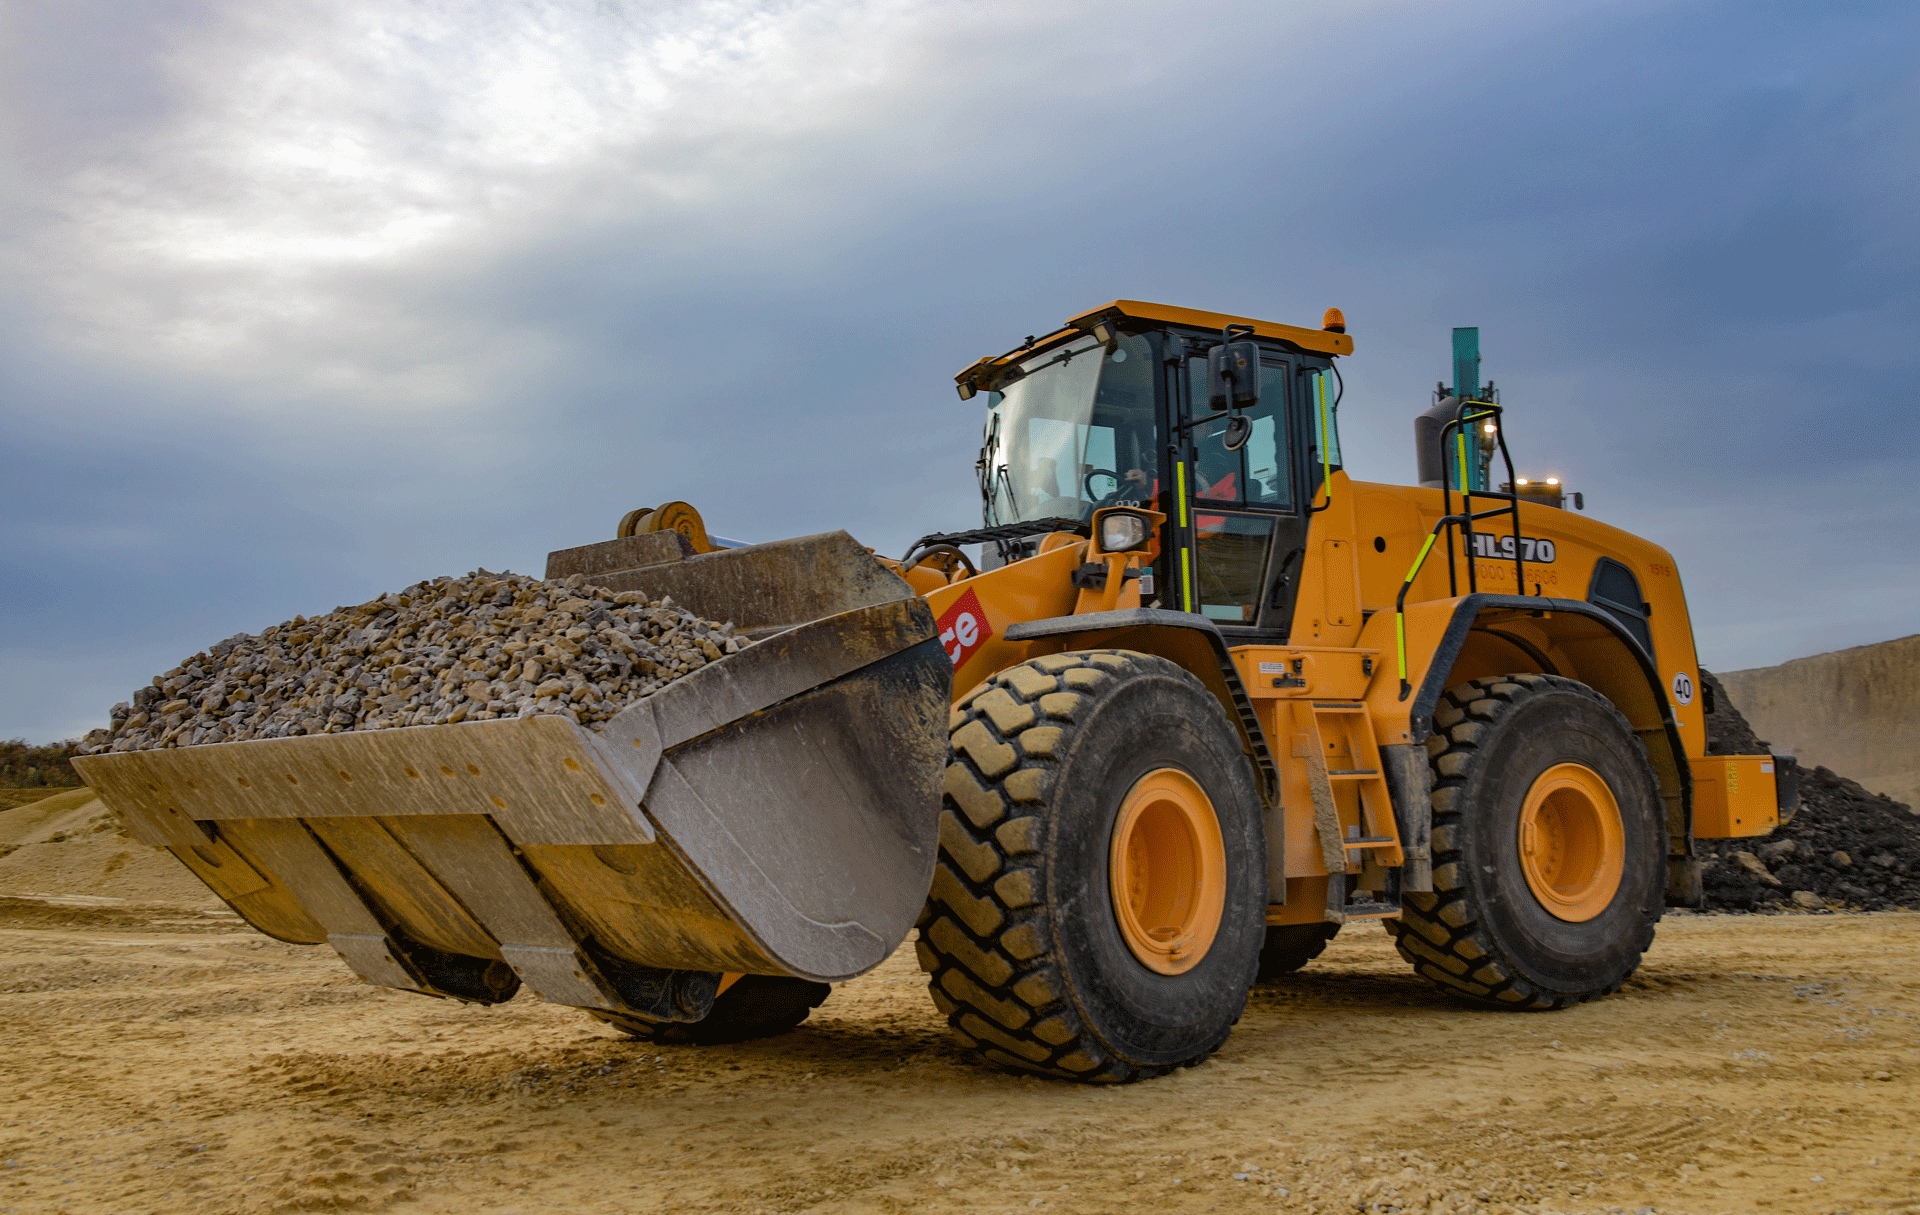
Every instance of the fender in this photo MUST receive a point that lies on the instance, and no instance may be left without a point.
(1642, 700)
(1187, 638)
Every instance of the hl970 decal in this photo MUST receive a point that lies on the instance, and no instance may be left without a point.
(1488, 544)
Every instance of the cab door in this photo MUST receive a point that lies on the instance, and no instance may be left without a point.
(1245, 532)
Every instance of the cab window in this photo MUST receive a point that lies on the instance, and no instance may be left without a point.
(1259, 474)
(1071, 430)
(1232, 566)
(1617, 591)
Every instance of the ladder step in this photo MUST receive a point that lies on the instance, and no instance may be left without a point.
(1339, 706)
(1353, 773)
(1367, 841)
(1371, 911)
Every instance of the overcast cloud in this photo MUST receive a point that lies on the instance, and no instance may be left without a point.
(303, 303)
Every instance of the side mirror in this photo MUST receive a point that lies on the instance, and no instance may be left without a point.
(1233, 376)
(1239, 430)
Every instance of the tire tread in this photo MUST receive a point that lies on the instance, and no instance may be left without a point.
(1439, 934)
(987, 973)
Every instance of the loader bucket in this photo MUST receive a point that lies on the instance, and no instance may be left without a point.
(774, 812)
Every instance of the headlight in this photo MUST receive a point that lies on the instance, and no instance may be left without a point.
(1120, 531)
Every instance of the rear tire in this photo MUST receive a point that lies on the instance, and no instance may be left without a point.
(756, 1006)
(1549, 846)
(1034, 961)
(1291, 946)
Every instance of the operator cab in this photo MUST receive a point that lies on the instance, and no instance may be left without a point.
(1114, 409)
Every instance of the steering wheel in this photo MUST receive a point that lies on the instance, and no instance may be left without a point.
(1086, 483)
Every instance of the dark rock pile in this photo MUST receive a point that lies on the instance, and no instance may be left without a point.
(1845, 848)
(454, 649)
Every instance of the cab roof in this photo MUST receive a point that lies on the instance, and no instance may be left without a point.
(1314, 341)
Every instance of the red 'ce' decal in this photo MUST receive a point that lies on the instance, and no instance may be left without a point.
(963, 628)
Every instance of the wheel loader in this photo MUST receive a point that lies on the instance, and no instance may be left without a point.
(1189, 700)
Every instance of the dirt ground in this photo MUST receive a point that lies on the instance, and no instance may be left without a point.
(159, 1056)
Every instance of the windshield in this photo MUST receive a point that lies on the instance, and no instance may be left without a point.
(1073, 431)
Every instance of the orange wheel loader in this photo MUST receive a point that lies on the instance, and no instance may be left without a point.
(1195, 700)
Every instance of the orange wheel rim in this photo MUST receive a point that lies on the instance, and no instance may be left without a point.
(1168, 871)
(1572, 844)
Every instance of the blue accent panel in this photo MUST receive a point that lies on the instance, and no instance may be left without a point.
(1466, 384)
(1466, 362)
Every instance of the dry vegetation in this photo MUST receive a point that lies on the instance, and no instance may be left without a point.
(26, 767)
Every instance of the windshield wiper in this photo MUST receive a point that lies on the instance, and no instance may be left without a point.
(1013, 500)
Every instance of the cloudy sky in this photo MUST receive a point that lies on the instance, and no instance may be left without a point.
(300, 303)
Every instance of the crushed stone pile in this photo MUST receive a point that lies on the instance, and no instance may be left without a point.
(1846, 848)
(453, 649)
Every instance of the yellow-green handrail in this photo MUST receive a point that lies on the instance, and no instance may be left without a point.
(1465, 420)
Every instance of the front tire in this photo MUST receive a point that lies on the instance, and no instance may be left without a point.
(1099, 904)
(1549, 846)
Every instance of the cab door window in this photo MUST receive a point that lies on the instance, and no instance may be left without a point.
(1260, 473)
(1233, 551)
(1243, 502)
